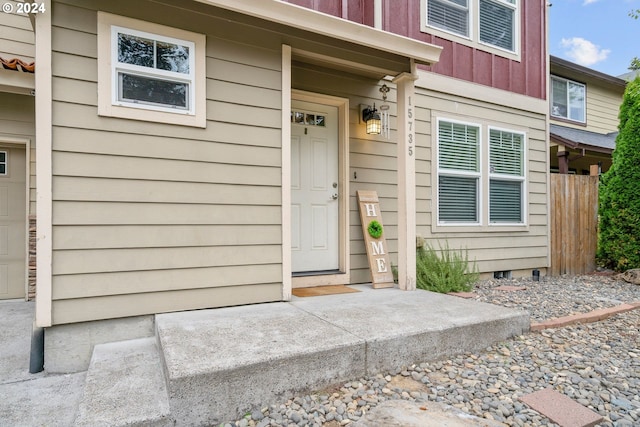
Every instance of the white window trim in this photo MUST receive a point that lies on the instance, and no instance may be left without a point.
(484, 224)
(504, 177)
(474, 31)
(567, 81)
(453, 172)
(108, 103)
(516, 28)
(424, 22)
(6, 163)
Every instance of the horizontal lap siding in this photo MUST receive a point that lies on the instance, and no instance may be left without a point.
(493, 250)
(17, 120)
(16, 34)
(149, 217)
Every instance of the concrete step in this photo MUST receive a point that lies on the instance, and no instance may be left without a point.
(220, 364)
(125, 386)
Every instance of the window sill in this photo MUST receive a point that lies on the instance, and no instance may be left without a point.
(478, 228)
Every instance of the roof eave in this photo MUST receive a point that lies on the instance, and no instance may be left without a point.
(327, 25)
(579, 145)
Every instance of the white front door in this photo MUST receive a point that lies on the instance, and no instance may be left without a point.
(314, 188)
(12, 222)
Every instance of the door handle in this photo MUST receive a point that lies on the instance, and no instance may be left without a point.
(334, 196)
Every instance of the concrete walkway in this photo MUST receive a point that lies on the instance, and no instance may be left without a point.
(208, 366)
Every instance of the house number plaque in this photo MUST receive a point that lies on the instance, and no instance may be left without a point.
(374, 239)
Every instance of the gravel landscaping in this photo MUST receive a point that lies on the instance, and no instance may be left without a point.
(595, 364)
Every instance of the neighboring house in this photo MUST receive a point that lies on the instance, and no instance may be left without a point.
(200, 154)
(17, 144)
(583, 111)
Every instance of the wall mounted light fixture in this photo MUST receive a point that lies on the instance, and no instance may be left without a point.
(372, 119)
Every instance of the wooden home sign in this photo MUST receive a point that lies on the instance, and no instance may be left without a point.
(373, 231)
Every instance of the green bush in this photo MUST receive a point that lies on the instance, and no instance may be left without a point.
(445, 270)
(619, 208)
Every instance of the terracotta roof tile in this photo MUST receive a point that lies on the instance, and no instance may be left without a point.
(17, 65)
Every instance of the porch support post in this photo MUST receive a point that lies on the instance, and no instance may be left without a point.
(44, 171)
(406, 180)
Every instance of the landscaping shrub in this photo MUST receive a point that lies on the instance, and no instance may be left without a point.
(445, 271)
(619, 208)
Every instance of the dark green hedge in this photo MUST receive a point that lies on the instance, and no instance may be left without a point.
(619, 239)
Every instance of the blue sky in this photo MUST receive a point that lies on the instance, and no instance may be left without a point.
(598, 34)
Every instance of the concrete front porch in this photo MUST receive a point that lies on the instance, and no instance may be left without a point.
(209, 366)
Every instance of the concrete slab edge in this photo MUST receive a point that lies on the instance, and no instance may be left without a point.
(590, 317)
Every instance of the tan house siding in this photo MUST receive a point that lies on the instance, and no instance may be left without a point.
(17, 123)
(603, 107)
(152, 217)
(494, 250)
(16, 35)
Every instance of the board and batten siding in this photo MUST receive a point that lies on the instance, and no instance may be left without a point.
(150, 217)
(492, 250)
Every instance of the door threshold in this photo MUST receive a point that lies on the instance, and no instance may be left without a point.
(315, 273)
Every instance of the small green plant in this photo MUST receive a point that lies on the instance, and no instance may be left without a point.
(375, 229)
(445, 271)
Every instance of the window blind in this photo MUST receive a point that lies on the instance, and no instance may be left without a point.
(505, 201)
(458, 199)
(506, 152)
(497, 24)
(450, 15)
(458, 147)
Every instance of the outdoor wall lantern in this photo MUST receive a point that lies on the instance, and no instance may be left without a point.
(371, 117)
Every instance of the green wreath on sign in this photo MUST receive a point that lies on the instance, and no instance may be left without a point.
(375, 229)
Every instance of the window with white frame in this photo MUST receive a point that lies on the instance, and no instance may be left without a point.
(3, 162)
(497, 23)
(458, 173)
(568, 99)
(150, 72)
(490, 25)
(480, 184)
(506, 177)
(449, 15)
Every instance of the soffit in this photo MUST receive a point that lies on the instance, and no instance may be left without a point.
(384, 54)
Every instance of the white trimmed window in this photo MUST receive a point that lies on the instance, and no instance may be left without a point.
(449, 15)
(506, 177)
(458, 173)
(489, 25)
(497, 23)
(3, 162)
(568, 99)
(150, 72)
(479, 184)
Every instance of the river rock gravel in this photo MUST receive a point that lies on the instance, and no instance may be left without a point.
(595, 364)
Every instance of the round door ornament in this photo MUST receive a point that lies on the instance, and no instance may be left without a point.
(375, 229)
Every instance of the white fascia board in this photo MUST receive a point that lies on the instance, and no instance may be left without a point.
(17, 82)
(330, 26)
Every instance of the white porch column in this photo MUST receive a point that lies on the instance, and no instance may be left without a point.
(406, 181)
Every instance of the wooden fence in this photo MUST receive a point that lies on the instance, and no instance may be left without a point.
(574, 224)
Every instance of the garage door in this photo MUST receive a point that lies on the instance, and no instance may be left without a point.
(12, 222)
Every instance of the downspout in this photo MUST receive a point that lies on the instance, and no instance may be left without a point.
(36, 358)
